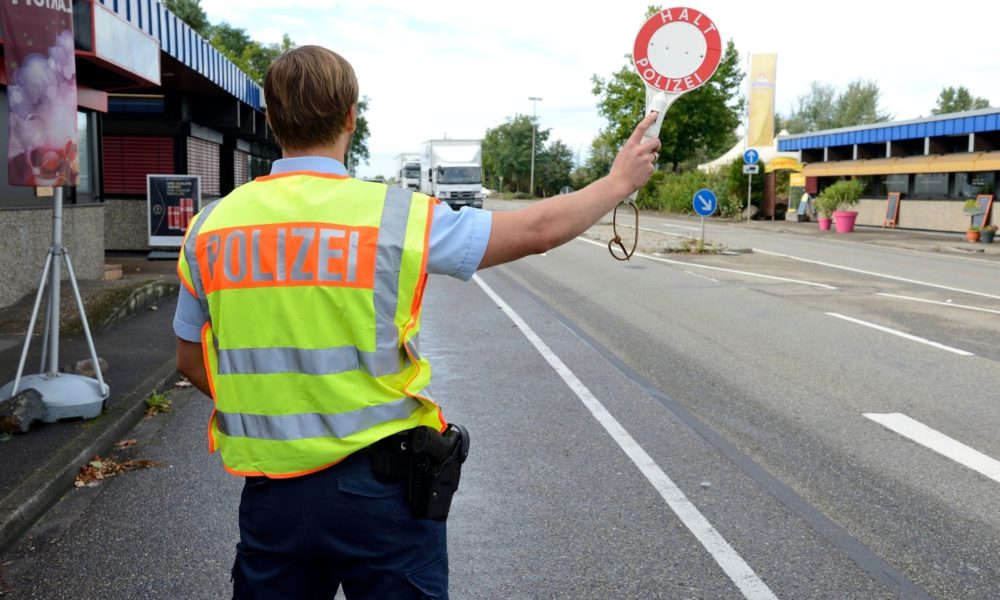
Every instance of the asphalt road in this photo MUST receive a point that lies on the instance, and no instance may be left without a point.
(687, 429)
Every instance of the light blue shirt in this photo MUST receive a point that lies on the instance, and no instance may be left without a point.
(457, 243)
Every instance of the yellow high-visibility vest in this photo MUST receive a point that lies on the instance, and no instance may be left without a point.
(313, 285)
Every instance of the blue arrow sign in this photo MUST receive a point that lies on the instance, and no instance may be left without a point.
(751, 157)
(705, 202)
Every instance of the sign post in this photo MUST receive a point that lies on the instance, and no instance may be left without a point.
(750, 167)
(705, 203)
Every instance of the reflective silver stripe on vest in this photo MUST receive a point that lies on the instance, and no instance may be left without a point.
(191, 255)
(322, 361)
(313, 425)
(388, 262)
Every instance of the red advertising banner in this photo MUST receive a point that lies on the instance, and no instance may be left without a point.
(41, 93)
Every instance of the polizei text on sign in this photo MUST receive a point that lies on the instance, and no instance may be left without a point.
(677, 50)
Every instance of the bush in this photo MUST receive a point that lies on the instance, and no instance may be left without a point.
(677, 192)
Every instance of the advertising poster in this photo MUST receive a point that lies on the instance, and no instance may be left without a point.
(41, 71)
(172, 201)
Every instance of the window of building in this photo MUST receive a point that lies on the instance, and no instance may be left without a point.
(969, 185)
(84, 142)
(930, 185)
(203, 160)
(896, 183)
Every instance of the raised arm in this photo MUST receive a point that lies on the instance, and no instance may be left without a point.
(557, 220)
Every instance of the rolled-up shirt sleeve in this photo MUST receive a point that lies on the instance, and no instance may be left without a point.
(458, 240)
(189, 317)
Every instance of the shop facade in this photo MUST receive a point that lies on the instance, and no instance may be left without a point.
(154, 98)
(936, 163)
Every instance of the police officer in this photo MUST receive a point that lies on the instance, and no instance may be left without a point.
(298, 316)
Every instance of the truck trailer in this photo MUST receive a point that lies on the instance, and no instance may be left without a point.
(451, 170)
(408, 170)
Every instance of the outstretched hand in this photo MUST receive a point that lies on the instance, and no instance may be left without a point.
(636, 161)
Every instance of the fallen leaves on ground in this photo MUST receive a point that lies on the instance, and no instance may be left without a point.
(126, 443)
(99, 469)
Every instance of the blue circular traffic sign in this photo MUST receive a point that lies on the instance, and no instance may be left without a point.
(705, 202)
(751, 157)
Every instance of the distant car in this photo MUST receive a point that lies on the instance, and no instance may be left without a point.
(565, 189)
(488, 192)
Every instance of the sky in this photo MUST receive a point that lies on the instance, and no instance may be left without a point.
(455, 68)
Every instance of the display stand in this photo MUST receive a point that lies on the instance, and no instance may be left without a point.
(64, 395)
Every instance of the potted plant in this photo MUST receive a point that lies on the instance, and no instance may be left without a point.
(986, 233)
(972, 233)
(824, 205)
(837, 200)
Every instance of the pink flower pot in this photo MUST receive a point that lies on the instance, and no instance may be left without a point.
(824, 224)
(844, 220)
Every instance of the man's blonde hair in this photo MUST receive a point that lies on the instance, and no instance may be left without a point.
(309, 91)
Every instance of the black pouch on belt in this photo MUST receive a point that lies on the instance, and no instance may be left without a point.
(435, 469)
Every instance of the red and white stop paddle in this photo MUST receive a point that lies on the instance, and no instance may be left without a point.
(677, 50)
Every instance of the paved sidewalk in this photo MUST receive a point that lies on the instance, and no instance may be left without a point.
(137, 341)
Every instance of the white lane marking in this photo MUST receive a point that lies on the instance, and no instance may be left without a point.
(679, 226)
(697, 266)
(702, 276)
(901, 334)
(734, 566)
(882, 275)
(951, 304)
(658, 232)
(938, 442)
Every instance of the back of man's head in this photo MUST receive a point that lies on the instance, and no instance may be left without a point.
(309, 91)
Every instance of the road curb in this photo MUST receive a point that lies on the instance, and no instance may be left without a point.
(33, 496)
(139, 298)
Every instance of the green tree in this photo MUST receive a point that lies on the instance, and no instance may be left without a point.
(699, 125)
(552, 168)
(602, 155)
(190, 12)
(507, 153)
(358, 151)
(956, 100)
(858, 105)
(815, 110)
(823, 108)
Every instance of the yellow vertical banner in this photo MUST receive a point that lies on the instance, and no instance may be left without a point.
(760, 123)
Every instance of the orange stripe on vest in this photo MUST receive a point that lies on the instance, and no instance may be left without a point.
(287, 255)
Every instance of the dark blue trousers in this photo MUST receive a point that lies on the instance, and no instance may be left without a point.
(301, 538)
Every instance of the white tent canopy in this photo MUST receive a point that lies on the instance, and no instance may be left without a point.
(767, 153)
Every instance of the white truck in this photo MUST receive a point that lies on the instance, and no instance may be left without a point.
(451, 170)
(408, 170)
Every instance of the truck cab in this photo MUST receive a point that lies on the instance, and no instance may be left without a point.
(459, 184)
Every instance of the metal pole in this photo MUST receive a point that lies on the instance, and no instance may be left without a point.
(703, 231)
(83, 320)
(534, 106)
(749, 179)
(56, 276)
(31, 324)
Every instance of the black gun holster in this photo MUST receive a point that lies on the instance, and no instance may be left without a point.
(430, 462)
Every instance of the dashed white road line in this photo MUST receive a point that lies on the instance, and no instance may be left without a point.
(901, 334)
(938, 442)
(709, 268)
(701, 276)
(950, 304)
(732, 563)
(874, 274)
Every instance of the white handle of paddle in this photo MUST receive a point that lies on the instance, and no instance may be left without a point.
(658, 105)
